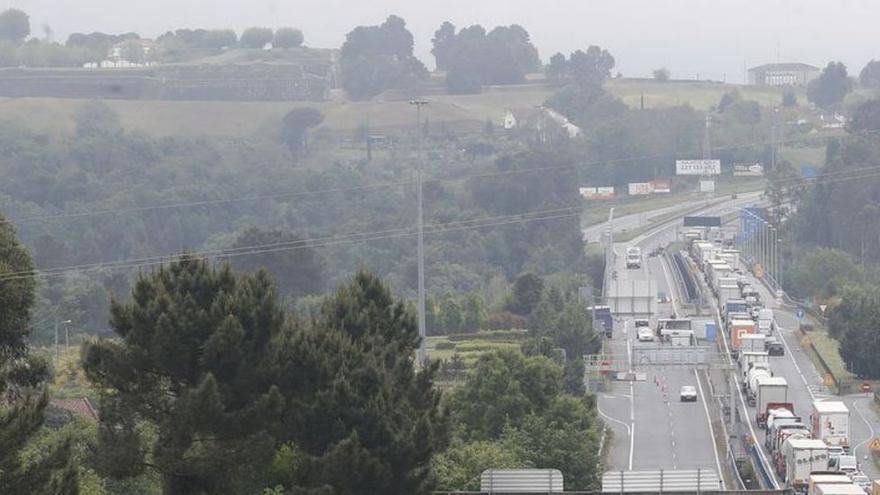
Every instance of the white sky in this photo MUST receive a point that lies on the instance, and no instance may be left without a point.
(714, 38)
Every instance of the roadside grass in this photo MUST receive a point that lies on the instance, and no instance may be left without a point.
(701, 95)
(824, 349)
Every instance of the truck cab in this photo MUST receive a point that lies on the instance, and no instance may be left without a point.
(633, 257)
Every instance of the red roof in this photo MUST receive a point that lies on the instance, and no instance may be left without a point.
(81, 407)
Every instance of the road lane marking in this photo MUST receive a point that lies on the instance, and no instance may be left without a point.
(864, 420)
(796, 366)
(630, 430)
(711, 433)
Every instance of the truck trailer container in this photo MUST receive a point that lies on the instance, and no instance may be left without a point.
(800, 458)
(772, 394)
(830, 421)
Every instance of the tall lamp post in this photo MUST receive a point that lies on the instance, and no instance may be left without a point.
(422, 356)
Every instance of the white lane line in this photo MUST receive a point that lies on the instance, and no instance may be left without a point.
(796, 366)
(867, 423)
(711, 433)
(630, 430)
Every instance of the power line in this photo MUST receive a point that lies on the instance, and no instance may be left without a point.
(436, 228)
(298, 193)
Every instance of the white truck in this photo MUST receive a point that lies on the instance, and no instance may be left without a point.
(752, 342)
(749, 360)
(837, 489)
(727, 289)
(766, 321)
(751, 382)
(633, 257)
(830, 422)
(771, 393)
(826, 479)
(800, 458)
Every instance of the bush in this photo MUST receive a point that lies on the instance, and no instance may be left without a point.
(505, 320)
(503, 335)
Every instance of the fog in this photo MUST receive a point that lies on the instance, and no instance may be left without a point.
(712, 39)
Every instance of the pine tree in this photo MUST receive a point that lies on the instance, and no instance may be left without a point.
(22, 402)
(191, 363)
(366, 420)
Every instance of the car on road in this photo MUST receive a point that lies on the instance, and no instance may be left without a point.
(645, 334)
(774, 348)
(688, 393)
(662, 297)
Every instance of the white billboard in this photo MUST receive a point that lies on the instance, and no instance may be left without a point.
(697, 167)
(640, 188)
(707, 186)
(587, 192)
(605, 192)
(662, 186)
(748, 170)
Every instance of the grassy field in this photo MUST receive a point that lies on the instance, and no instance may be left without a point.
(469, 347)
(167, 118)
(829, 350)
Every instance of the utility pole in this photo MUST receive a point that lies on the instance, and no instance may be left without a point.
(422, 356)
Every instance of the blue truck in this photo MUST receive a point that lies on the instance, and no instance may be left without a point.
(602, 320)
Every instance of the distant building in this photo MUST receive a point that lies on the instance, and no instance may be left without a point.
(793, 74)
(522, 118)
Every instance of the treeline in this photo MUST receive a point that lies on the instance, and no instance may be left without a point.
(17, 49)
(210, 386)
(105, 169)
(832, 232)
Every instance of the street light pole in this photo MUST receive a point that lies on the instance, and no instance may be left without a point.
(422, 356)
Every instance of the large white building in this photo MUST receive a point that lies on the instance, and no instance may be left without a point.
(787, 74)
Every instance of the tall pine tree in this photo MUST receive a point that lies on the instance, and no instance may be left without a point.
(191, 366)
(365, 419)
(23, 397)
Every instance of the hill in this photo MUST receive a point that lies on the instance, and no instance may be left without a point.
(224, 118)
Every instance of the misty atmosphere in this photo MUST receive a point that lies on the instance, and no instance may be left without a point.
(390, 247)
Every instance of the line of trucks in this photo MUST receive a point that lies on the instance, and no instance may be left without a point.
(811, 455)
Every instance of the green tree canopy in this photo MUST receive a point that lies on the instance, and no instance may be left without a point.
(830, 87)
(295, 126)
(870, 75)
(527, 291)
(256, 37)
(287, 37)
(365, 419)
(15, 25)
(504, 387)
(21, 377)
(96, 119)
(297, 268)
(191, 362)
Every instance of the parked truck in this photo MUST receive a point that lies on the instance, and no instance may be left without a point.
(837, 489)
(772, 393)
(782, 430)
(733, 306)
(830, 422)
(602, 316)
(749, 360)
(800, 458)
(727, 289)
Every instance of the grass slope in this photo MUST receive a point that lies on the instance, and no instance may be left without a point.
(225, 118)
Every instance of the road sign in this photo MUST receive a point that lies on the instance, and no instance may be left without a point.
(866, 387)
(823, 307)
(800, 313)
(875, 444)
(759, 270)
(829, 380)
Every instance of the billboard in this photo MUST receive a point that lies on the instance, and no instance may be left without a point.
(707, 186)
(748, 170)
(640, 188)
(697, 167)
(605, 192)
(662, 186)
(596, 193)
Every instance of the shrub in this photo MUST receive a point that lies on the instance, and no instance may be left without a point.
(505, 320)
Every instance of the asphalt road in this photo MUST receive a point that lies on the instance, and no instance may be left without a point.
(805, 383)
(653, 428)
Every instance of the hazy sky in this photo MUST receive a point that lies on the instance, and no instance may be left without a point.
(714, 38)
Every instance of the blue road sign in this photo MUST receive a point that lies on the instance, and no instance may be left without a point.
(800, 313)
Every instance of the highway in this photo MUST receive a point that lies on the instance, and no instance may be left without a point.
(652, 428)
